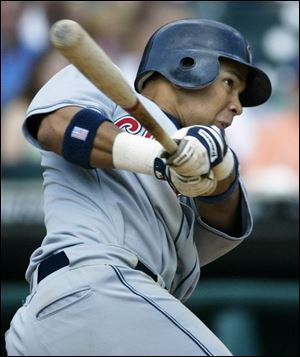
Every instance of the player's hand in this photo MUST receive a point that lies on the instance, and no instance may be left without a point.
(201, 160)
(225, 167)
(191, 186)
(200, 149)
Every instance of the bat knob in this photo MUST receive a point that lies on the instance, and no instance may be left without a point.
(65, 33)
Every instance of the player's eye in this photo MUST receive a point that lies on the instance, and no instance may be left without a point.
(229, 83)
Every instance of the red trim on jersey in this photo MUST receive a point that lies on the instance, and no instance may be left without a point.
(132, 126)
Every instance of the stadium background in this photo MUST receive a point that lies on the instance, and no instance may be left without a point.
(249, 297)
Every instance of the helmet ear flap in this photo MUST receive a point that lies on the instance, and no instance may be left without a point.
(192, 69)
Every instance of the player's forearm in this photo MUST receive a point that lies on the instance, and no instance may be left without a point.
(53, 127)
(101, 154)
(88, 139)
(224, 215)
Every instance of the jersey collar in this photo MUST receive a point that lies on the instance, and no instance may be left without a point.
(174, 120)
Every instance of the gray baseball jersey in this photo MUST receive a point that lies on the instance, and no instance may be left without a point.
(117, 218)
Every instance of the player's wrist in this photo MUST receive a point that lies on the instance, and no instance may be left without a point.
(225, 187)
(226, 167)
(135, 153)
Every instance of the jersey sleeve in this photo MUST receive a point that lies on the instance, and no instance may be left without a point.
(69, 87)
(212, 243)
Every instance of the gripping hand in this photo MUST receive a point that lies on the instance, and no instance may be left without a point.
(200, 149)
(191, 186)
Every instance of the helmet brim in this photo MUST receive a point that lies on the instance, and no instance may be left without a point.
(258, 89)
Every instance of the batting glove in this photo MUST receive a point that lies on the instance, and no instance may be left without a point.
(191, 186)
(200, 149)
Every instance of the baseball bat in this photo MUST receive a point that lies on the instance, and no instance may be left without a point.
(88, 57)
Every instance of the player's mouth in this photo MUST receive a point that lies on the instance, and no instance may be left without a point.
(223, 124)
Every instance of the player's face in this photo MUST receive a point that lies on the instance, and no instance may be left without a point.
(216, 104)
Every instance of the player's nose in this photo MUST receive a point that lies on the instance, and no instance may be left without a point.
(235, 106)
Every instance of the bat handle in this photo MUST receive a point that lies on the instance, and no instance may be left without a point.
(169, 145)
(145, 118)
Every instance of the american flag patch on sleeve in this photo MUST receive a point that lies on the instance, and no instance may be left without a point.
(79, 133)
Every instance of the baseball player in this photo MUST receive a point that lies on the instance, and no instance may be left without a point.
(129, 226)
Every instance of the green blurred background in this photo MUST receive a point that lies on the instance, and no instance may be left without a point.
(249, 297)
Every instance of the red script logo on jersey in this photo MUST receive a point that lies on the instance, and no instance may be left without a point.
(132, 126)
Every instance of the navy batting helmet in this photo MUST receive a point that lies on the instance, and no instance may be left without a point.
(187, 53)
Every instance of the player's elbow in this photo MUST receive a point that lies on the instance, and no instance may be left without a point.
(52, 129)
(48, 136)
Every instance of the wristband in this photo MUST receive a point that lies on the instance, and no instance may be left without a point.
(135, 153)
(79, 137)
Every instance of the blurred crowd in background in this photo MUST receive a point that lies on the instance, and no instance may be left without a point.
(265, 138)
